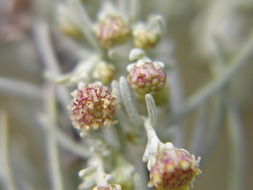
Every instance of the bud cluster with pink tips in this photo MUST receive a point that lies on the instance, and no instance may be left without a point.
(173, 169)
(112, 30)
(93, 107)
(146, 76)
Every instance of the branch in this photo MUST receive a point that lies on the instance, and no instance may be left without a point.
(152, 110)
(201, 96)
(6, 172)
(176, 97)
(236, 147)
(85, 23)
(129, 105)
(46, 52)
(19, 88)
(53, 153)
(64, 140)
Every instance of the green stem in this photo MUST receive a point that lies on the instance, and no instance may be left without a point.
(4, 150)
(46, 52)
(53, 153)
(121, 138)
(85, 24)
(236, 147)
(19, 88)
(122, 5)
(64, 140)
(199, 131)
(215, 126)
(176, 96)
(220, 108)
(134, 10)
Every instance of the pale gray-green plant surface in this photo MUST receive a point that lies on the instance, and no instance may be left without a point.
(52, 48)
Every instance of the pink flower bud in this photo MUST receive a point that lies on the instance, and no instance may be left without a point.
(93, 107)
(144, 37)
(112, 30)
(173, 169)
(146, 76)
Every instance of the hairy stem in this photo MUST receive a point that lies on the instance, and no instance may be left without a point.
(53, 153)
(236, 147)
(176, 97)
(19, 88)
(130, 107)
(46, 52)
(85, 23)
(64, 140)
(6, 172)
(198, 137)
(152, 110)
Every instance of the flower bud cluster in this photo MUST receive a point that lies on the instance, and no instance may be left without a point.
(144, 37)
(147, 34)
(146, 76)
(112, 30)
(93, 107)
(173, 169)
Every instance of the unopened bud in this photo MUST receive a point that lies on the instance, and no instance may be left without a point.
(144, 37)
(147, 35)
(146, 76)
(173, 169)
(105, 72)
(112, 30)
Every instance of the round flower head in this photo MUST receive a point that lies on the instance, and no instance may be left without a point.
(146, 76)
(93, 107)
(147, 34)
(144, 37)
(112, 30)
(173, 169)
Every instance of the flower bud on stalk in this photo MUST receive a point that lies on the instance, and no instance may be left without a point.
(145, 37)
(93, 107)
(170, 168)
(147, 34)
(174, 169)
(112, 30)
(146, 76)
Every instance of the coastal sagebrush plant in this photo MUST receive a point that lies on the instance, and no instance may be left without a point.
(119, 94)
(94, 107)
